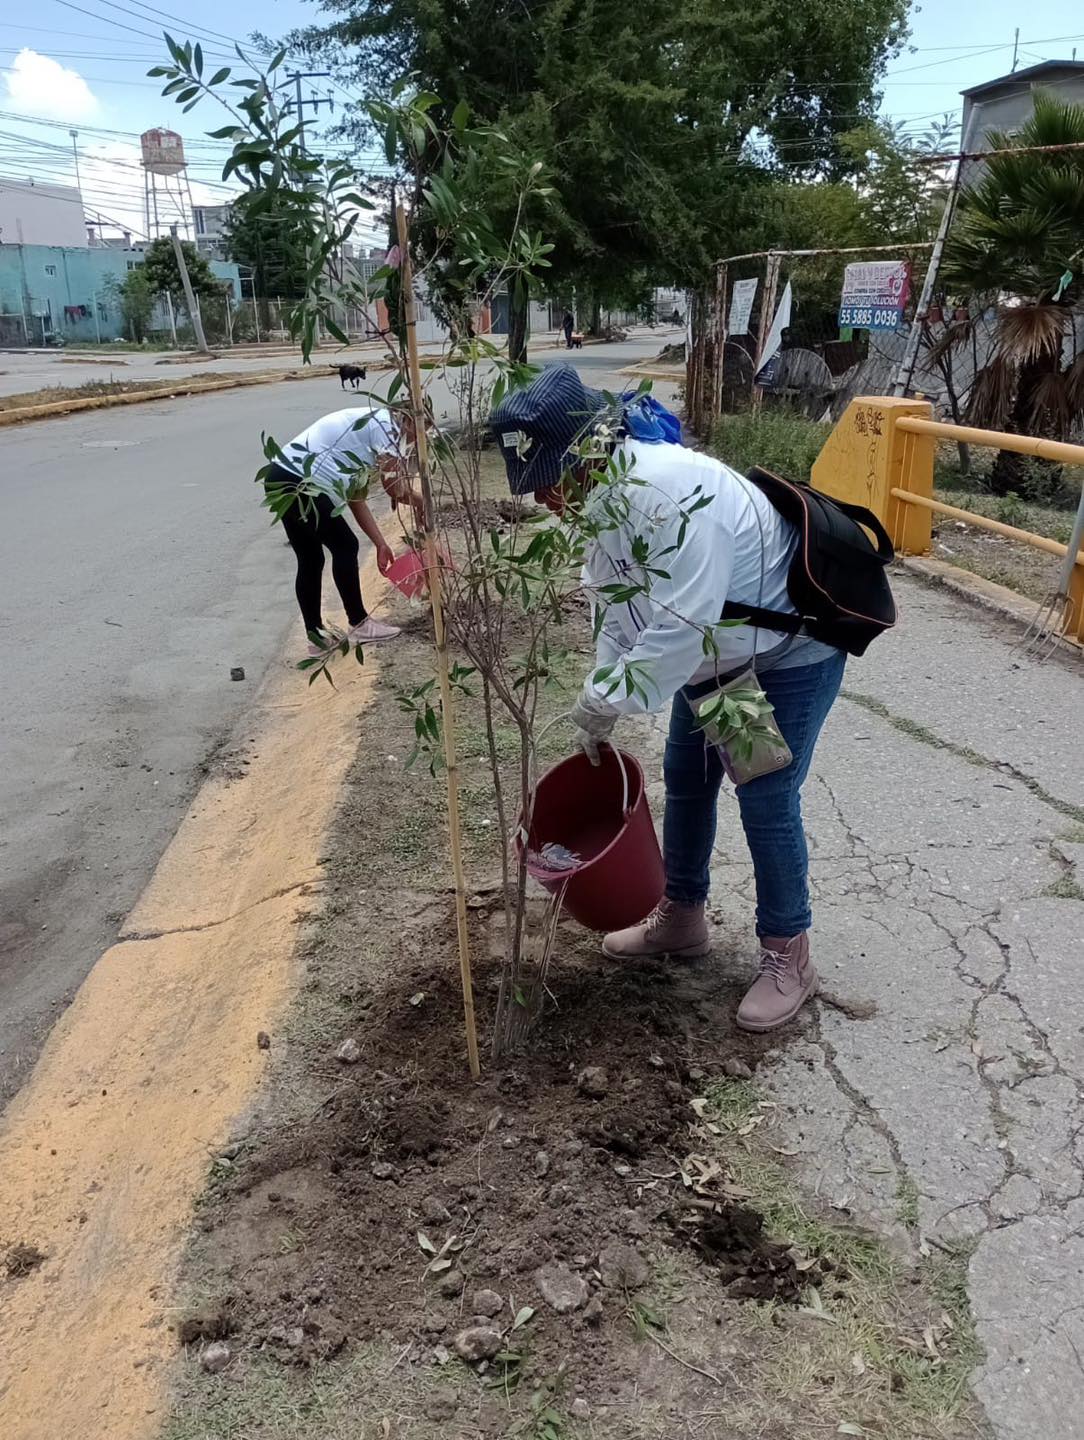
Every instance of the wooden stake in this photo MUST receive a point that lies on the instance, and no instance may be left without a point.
(721, 295)
(767, 315)
(436, 600)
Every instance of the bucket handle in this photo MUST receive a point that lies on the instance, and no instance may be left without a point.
(617, 755)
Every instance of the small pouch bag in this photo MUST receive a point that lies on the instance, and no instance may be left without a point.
(738, 719)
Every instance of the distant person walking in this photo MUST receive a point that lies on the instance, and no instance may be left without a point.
(568, 324)
(341, 444)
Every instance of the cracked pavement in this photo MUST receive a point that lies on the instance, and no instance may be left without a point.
(946, 817)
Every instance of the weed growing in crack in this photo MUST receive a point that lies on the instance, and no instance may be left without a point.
(929, 737)
(1065, 887)
(907, 1202)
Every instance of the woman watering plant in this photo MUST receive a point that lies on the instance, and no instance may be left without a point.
(306, 486)
(679, 546)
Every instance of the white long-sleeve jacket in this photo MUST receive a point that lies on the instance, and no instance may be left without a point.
(736, 547)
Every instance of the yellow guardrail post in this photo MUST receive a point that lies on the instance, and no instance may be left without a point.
(866, 457)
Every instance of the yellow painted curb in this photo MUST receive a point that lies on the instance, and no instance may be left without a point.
(107, 1147)
(167, 392)
(170, 391)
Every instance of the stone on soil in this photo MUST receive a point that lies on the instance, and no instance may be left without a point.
(215, 1358)
(487, 1303)
(593, 1082)
(349, 1052)
(623, 1268)
(451, 1284)
(561, 1289)
(479, 1342)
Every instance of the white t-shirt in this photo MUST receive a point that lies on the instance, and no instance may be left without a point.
(737, 546)
(342, 443)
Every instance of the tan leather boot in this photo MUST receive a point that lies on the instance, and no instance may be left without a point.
(670, 929)
(786, 981)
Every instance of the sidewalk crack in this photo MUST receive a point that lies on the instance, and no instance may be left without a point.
(926, 736)
(129, 936)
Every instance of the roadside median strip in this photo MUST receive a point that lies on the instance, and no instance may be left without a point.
(168, 389)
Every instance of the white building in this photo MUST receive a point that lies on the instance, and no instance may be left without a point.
(33, 214)
(210, 225)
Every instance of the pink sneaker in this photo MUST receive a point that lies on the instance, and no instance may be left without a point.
(370, 631)
(315, 649)
(786, 981)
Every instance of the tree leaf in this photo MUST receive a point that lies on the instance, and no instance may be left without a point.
(522, 1317)
(426, 1244)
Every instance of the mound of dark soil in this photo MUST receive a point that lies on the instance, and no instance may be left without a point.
(412, 1189)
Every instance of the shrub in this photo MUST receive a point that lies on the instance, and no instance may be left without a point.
(780, 440)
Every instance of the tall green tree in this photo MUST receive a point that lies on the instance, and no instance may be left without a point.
(163, 273)
(657, 124)
(267, 235)
(136, 296)
(1018, 248)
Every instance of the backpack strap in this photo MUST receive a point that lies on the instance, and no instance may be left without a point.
(787, 622)
(866, 518)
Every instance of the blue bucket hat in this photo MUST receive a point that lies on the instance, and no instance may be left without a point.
(536, 427)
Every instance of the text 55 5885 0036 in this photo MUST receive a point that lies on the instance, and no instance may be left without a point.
(869, 317)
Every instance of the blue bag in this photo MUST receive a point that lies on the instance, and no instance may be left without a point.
(647, 420)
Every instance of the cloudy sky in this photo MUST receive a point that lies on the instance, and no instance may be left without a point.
(83, 65)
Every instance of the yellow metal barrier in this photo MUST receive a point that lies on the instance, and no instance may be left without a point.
(881, 455)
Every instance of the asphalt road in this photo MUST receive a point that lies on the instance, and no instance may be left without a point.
(28, 370)
(136, 569)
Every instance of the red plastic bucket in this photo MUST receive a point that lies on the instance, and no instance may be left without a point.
(601, 815)
(407, 573)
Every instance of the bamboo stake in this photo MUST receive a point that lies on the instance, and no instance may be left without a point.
(436, 600)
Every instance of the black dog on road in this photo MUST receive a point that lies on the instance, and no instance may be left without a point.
(354, 373)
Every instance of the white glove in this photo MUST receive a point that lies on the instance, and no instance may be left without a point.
(594, 720)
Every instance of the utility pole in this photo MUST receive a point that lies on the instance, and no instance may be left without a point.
(906, 370)
(75, 151)
(189, 296)
(313, 102)
(1015, 48)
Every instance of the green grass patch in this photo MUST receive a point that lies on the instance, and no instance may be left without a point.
(878, 1352)
(780, 440)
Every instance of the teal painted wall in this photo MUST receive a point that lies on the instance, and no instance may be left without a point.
(69, 289)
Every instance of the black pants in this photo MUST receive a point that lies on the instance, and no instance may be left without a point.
(311, 533)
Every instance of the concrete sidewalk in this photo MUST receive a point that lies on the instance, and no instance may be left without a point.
(946, 813)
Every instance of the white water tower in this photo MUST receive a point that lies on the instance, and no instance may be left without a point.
(167, 193)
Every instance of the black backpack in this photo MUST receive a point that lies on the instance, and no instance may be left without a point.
(837, 581)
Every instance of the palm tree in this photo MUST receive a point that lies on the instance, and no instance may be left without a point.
(1018, 247)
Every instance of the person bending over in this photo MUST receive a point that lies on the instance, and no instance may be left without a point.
(341, 444)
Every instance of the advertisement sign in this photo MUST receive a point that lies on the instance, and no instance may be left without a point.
(874, 294)
(768, 362)
(741, 307)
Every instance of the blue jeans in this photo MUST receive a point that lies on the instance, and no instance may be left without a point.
(771, 806)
